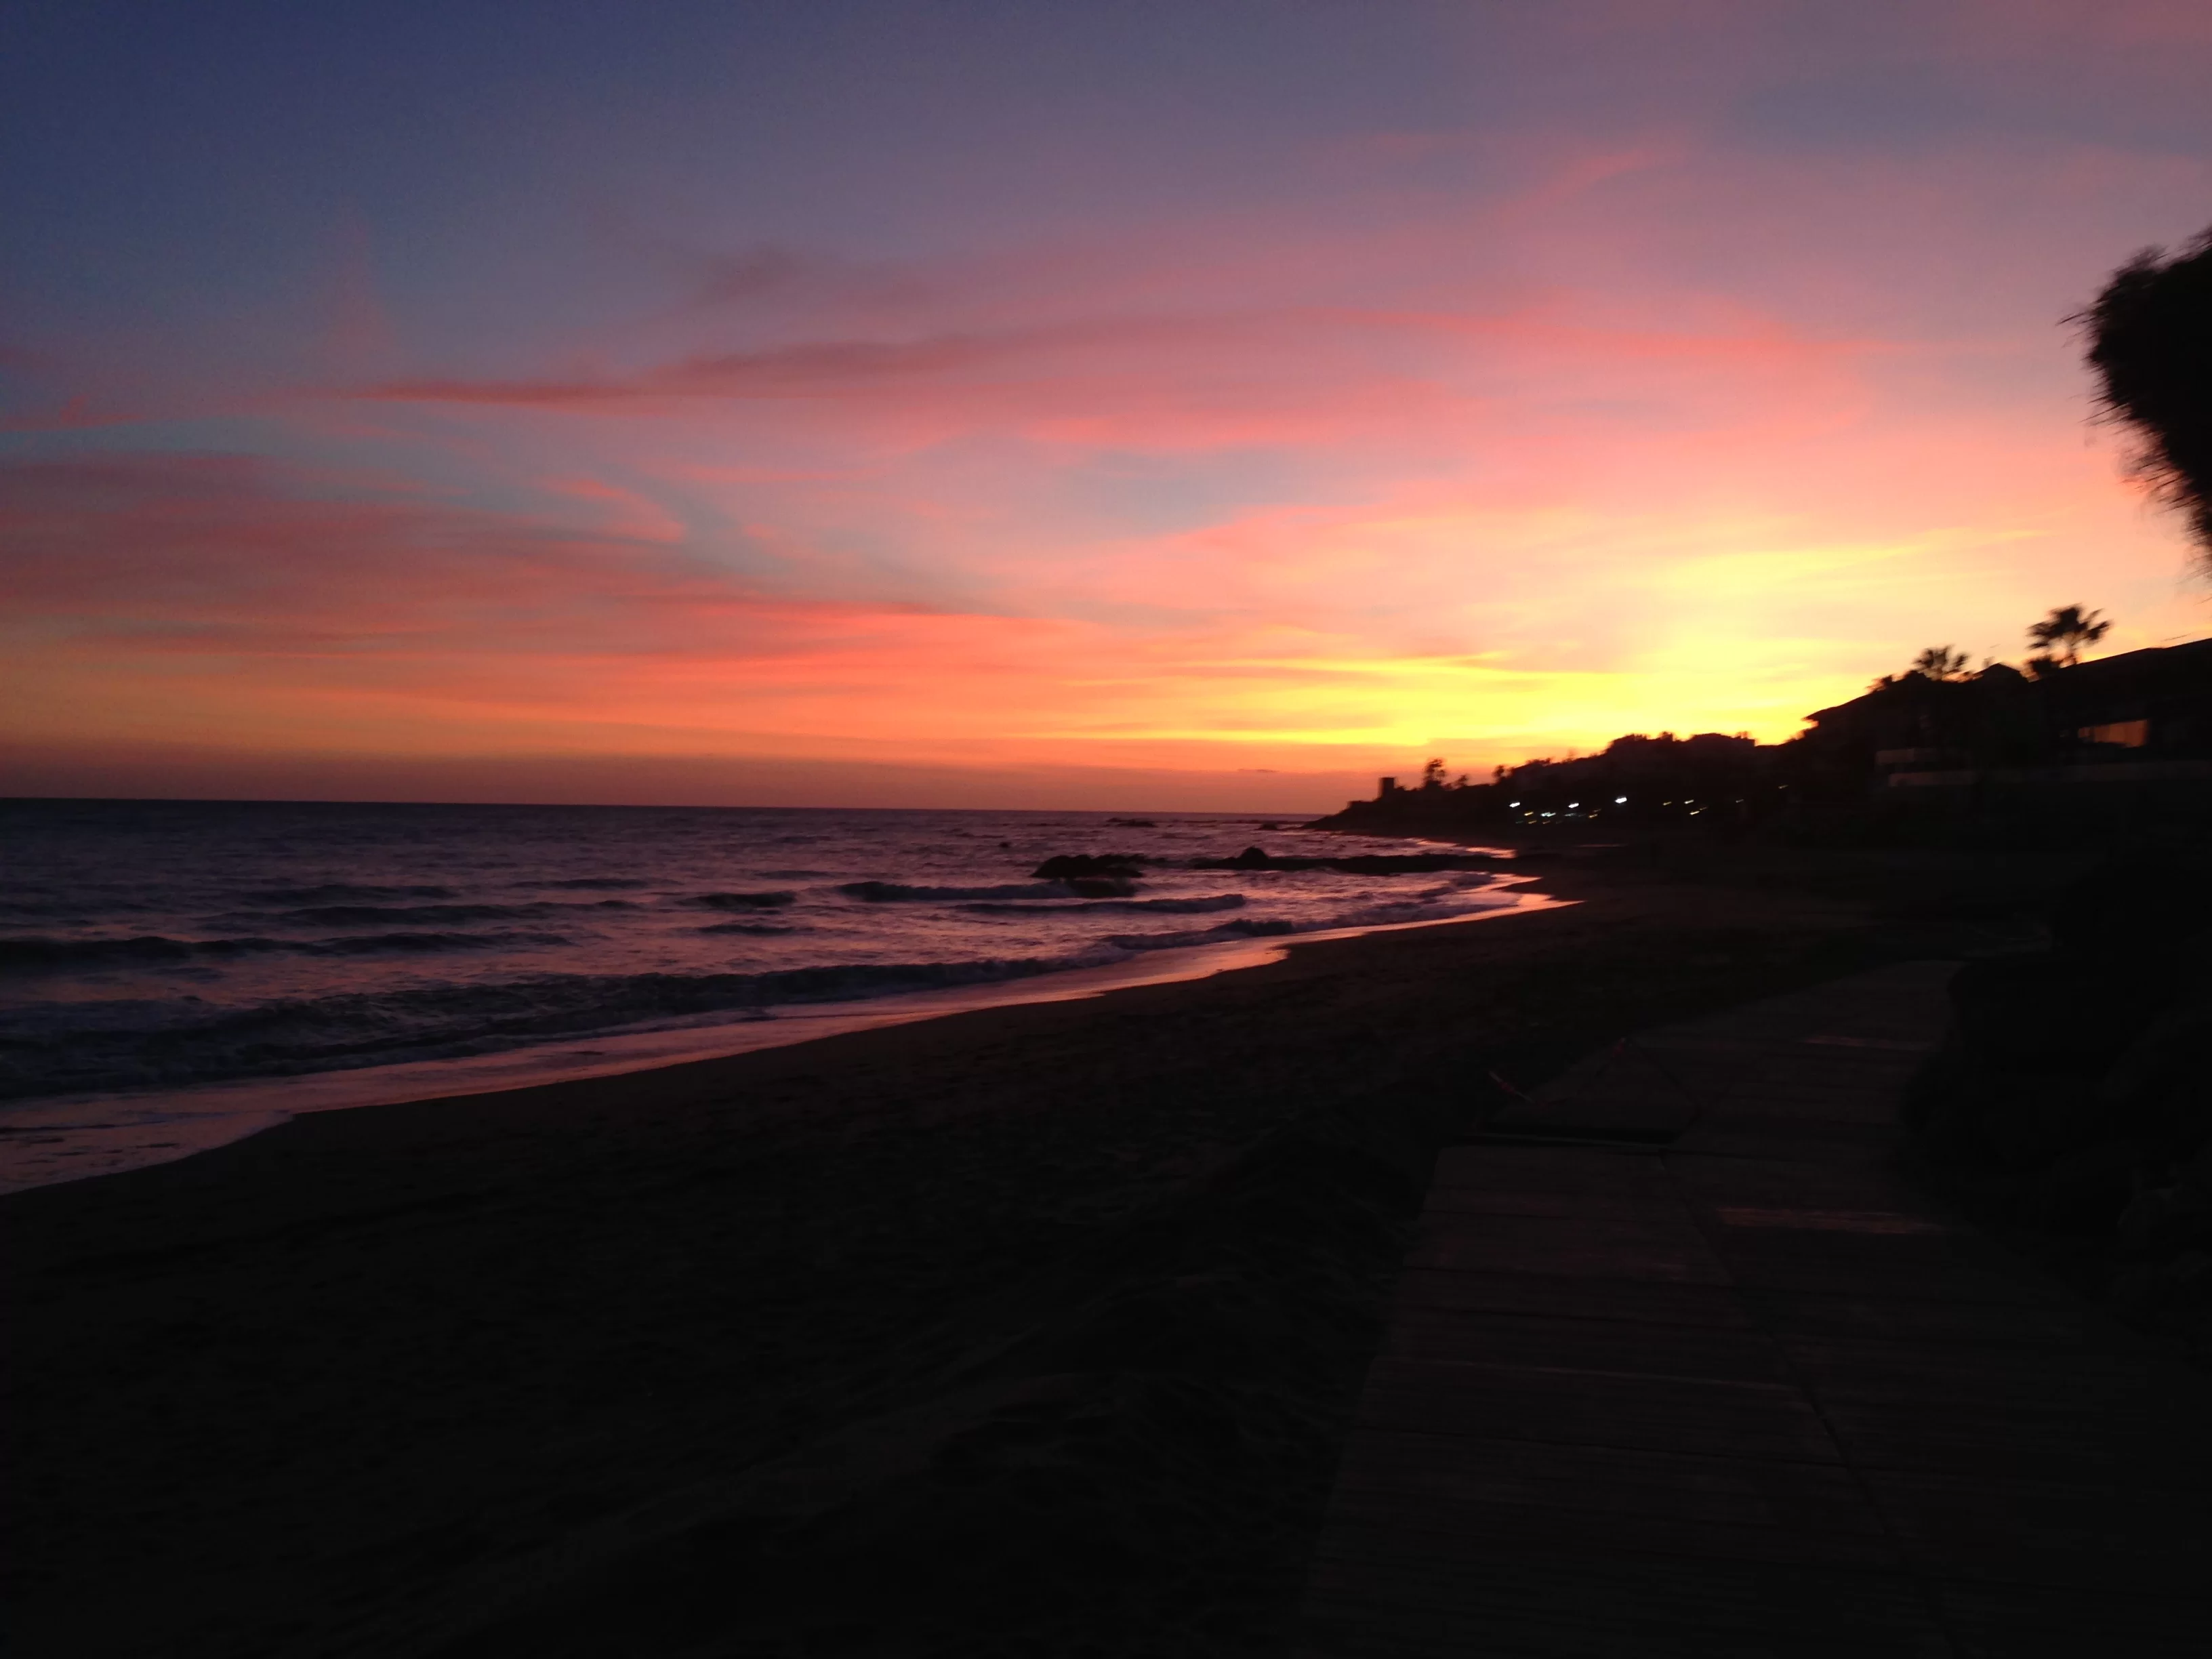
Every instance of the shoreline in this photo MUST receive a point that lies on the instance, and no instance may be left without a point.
(46, 1142)
(1074, 1296)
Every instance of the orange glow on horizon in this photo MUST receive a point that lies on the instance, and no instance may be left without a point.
(1489, 438)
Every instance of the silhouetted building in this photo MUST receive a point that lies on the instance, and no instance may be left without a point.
(2126, 734)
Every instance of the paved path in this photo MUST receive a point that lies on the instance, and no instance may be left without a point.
(1690, 1370)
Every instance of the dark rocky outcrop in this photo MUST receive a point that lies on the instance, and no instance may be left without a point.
(1111, 866)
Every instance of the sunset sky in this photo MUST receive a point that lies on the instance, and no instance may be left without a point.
(1198, 404)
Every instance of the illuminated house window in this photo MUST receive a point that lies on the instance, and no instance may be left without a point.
(2126, 734)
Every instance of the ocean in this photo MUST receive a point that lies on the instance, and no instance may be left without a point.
(171, 971)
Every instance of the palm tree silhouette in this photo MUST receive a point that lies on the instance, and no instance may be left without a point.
(1940, 662)
(2059, 637)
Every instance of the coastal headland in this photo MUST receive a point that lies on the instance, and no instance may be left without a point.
(1040, 1325)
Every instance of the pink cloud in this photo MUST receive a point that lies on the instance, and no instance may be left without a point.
(76, 414)
(1661, 434)
(254, 603)
(1341, 377)
(265, 557)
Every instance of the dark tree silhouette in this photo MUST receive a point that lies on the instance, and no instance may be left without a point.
(2059, 637)
(1940, 662)
(2150, 341)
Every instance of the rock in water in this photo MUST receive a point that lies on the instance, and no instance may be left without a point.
(1110, 867)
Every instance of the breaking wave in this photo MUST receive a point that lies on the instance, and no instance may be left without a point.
(894, 892)
(1174, 907)
(1388, 913)
(275, 940)
(67, 1047)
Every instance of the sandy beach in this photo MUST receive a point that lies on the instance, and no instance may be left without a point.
(1031, 1329)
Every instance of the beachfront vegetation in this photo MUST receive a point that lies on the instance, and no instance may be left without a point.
(1913, 740)
(2059, 638)
(2150, 341)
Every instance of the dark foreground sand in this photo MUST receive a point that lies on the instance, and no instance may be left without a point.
(1033, 1330)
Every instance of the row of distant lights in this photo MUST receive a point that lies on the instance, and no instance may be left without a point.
(1617, 800)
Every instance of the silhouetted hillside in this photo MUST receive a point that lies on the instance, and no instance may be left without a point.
(2076, 747)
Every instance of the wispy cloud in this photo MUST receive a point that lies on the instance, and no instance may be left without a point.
(1685, 376)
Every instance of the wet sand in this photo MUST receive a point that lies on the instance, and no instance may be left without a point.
(1033, 1329)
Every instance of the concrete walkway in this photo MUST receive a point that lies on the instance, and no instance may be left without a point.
(1688, 1369)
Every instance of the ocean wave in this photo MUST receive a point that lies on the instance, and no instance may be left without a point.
(40, 955)
(50, 955)
(1186, 937)
(896, 892)
(744, 901)
(341, 892)
(1376, 915)
(61, 1048)
(51, 910)
(367, 944)
(756, 927)
(1183, 907)
(370, 915)
(590, 883)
